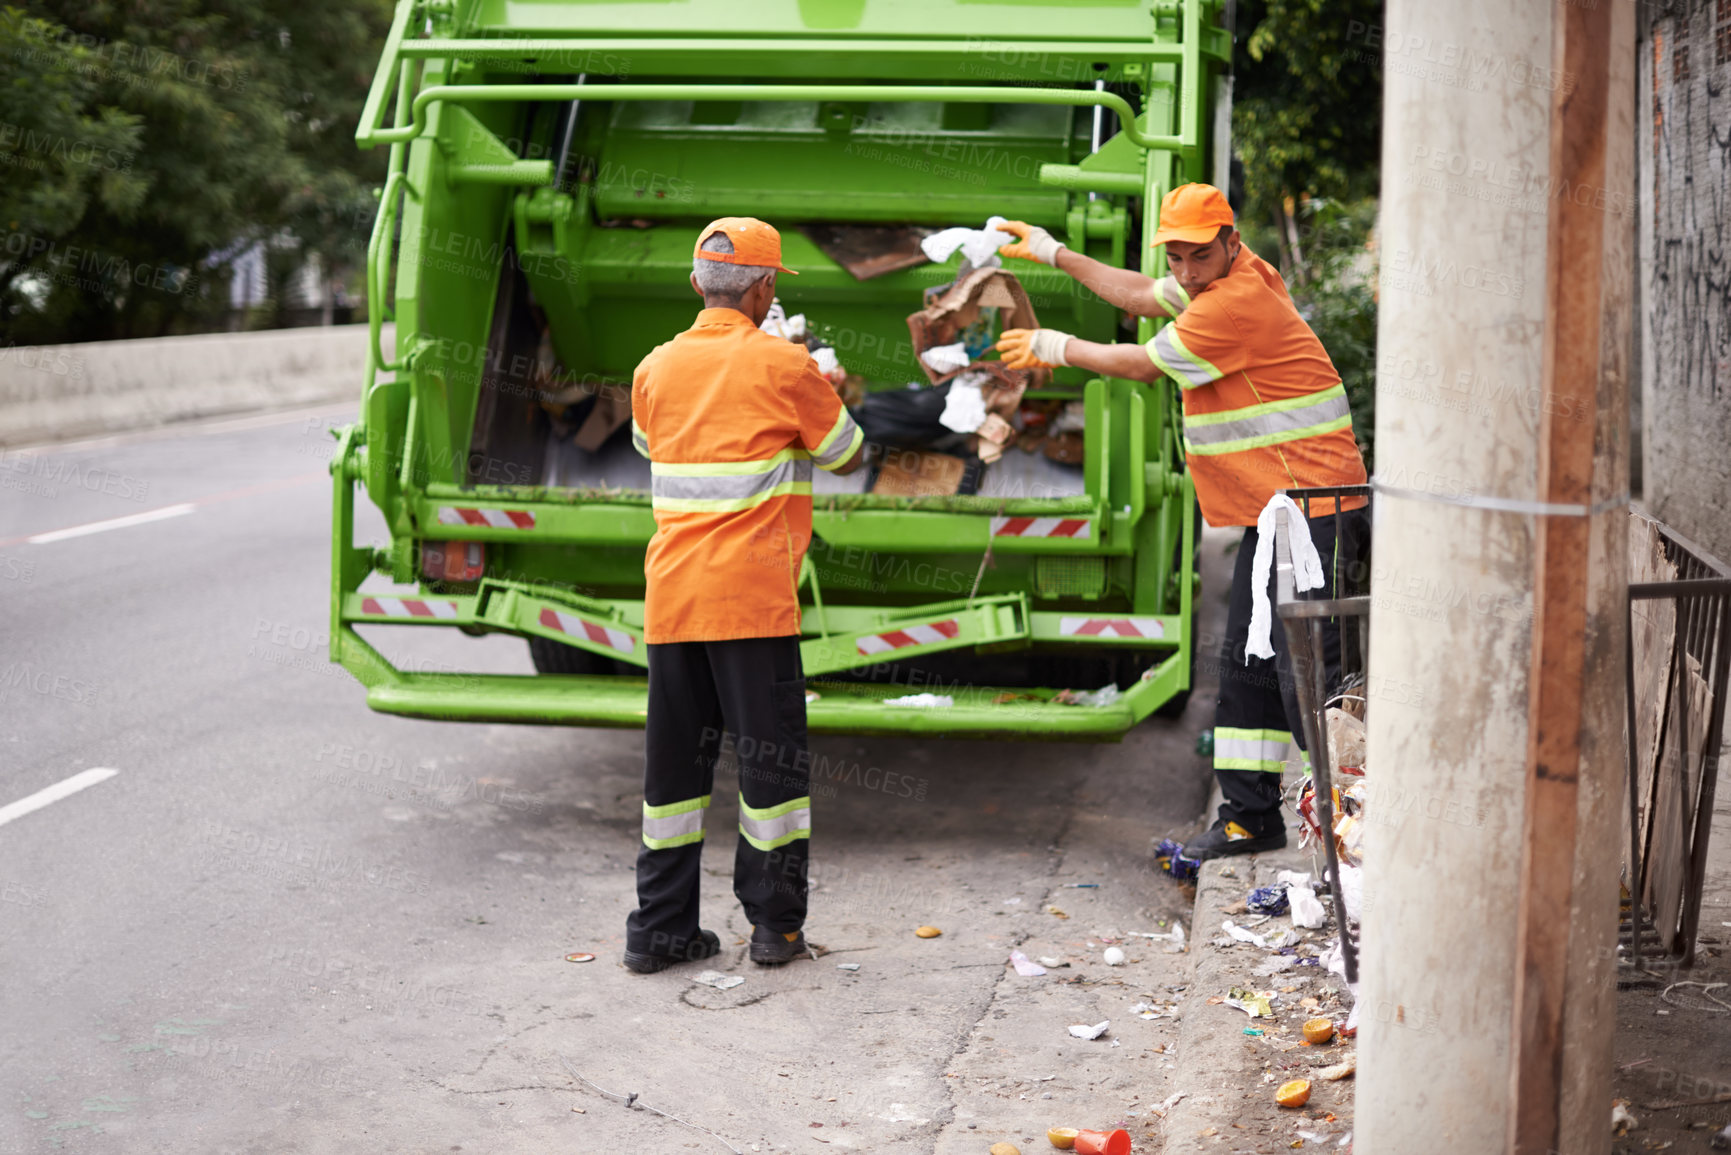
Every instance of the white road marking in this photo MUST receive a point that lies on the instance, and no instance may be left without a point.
(55, 793)
(90, 527)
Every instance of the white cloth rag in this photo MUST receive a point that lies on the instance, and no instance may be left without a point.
(979, 246)
(1306, 570)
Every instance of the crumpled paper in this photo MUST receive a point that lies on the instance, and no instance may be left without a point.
(965, 406)
(1083, 1031)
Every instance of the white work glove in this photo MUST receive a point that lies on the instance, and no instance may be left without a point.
(1036, 244)
(1033, 348)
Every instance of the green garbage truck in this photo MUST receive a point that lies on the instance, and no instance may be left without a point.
(550, 163)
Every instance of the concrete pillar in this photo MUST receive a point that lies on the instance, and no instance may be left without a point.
(1466, 201)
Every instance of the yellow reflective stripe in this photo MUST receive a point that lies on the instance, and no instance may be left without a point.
(639, 439)
(776, 825)
(1212, 373)
(675, 824)
(1249, 411)
(1252, 735)
(838, 460)
(1266, 439)
(1171, 295)
(842, 422)
(725, 468)
(724, 505)
(1267, 766)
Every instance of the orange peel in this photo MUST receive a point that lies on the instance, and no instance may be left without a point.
(1318, 1030)
(1293, 1094)
(1063, 1138)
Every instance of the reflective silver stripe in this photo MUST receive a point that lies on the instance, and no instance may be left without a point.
(1172, 295)
(776, 825)
(676, 824)
(1169, 353)
(1263, 750)
(840, 444)
(1269, 424)
(730, 486)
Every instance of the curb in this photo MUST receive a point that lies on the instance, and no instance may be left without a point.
(1229, 1078)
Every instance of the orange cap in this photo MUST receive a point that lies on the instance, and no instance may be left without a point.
(1193, 213)
(754, 243)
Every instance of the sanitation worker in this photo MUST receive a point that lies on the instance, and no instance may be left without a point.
(1264, 410)
(732, 421)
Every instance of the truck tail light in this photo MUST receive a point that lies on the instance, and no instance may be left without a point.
(453, 561)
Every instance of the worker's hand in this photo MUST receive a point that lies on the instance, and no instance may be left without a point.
(1033, 348)
(1036, 244)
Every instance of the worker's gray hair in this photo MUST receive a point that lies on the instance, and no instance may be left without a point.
(719, 279)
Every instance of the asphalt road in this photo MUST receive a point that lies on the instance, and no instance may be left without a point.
(266, 932)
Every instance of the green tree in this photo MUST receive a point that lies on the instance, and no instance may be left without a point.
(1306, 112)
(244, 112)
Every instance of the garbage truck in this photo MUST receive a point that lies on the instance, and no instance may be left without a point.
(549, 166)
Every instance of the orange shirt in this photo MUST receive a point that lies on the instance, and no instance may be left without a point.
(1264, 409)
(732, 420)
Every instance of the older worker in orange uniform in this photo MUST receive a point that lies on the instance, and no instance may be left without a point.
(1264, 410)
(732, 421)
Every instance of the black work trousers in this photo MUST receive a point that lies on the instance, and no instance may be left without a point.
(745, 697)
(1257, 711)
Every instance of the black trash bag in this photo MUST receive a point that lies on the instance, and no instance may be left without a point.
(908, 419)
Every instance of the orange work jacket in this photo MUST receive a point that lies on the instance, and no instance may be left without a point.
(1264, 409)
(732, 420)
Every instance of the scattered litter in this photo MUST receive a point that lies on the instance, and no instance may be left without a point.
(1228, 872)
(1293, 1094)
(1306, 909)
(1063, 1138)
(1055, 912)
(1720, 1006)
(580, 1110)
(847, 966)
(1083, 1031)
(1241, 934)
(580, 956)
(721, 982)
(1104, 696)
(1025, 966)
(1115, 1043)
(1017, 901)
(1267, 900)
(965, 405)
(1340, 1070)
(1622, 1119)
(1083, 885)
(1310, 1136)
(1174, 937)
(1168, 1103)
(1004, 1149)
(1169, 856)
(1114, 957)
(927, 932)
(1721, 1140)
(1053, 961)
(1274, 964)
(923, 701)
(1318, 1031)
(1253, 1031)
(1103, 1142)
(1253, 1004)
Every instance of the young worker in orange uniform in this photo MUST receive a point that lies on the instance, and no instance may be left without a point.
(1264, 410)
(732, 421)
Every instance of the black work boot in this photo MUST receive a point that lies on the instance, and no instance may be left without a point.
(772, 948)
(1225, 838)
(705, 945)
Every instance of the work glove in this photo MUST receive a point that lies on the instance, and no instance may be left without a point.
(1033, 348)
(1036, 244)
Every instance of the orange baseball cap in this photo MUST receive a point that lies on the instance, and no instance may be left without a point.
(754, 243)
(1193, 213)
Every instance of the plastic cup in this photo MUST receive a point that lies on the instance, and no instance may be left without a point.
(1103, 1143)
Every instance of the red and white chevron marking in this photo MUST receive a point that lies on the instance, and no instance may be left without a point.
(1111, 628)
(580, 628)
(496, 518)
(1079, 527)
(409, 608)
(908, 636)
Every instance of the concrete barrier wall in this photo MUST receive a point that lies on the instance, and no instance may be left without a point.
(54, 392)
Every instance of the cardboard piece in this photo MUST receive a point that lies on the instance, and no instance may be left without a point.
(910, 473)
(611, 410)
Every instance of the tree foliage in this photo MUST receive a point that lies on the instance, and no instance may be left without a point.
(236, 118)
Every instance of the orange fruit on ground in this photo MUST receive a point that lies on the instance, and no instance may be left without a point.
(1293, 1094)
(1063, 1138)
(1318, 1030)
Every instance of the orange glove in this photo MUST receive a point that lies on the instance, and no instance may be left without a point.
(1033, 348)
(1036, 243)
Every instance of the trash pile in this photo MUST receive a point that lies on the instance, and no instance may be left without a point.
(1351, 791)
(848, 386)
